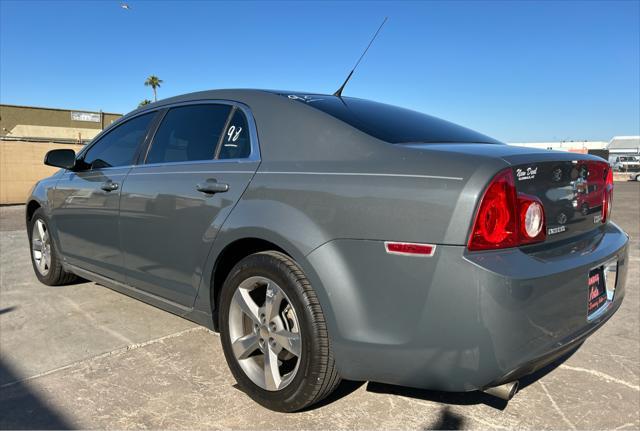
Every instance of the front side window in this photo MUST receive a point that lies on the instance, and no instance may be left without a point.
(118, 147)
(188, 133)
(235, 141)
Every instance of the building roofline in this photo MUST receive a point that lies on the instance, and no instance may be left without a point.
(57, 109)
(626, 137)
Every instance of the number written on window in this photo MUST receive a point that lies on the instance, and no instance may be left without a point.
(236, 144)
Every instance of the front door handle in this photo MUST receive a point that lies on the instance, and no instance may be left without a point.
(109, 186)
(212, 186)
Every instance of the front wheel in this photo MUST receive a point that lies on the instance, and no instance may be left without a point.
(45, 259)
(274, 334)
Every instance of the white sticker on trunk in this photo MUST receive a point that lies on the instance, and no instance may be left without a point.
(526, 174)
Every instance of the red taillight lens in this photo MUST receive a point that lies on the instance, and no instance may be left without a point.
(495, 223)
(607, 198)
(506, 218)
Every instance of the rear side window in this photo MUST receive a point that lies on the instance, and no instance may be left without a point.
(235, 141)
(118, 146)
(188, 133)
(390, 123)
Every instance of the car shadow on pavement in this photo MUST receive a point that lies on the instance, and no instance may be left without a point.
(447, 420)
(345, 388)
(467, 398)
(22, 407)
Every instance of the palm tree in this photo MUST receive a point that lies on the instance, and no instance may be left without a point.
(153, 82)
(144, 102)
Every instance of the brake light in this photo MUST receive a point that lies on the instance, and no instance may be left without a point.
(506, 218)
(607, 198)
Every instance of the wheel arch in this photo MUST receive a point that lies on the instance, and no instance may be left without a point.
(230, 255)
(233, 245)
(32, 207)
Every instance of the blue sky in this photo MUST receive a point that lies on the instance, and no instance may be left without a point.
(525, 71)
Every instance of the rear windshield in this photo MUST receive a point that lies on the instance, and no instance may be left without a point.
(391, 123)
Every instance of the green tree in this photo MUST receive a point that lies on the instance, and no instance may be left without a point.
(153, 82)
(144, 102)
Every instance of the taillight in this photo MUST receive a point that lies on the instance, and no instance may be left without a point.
(506, 218)
(495, 223)
(607, 198)
(531, 219)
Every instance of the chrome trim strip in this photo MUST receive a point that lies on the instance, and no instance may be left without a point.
(98, 173)
(190, 172)
(363, 174)
(213, 162)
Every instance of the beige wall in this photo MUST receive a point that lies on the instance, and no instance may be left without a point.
(16, 121)
(52, 133)
(21, 166)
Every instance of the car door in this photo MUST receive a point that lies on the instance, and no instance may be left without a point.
(198, 164)
(86, 202)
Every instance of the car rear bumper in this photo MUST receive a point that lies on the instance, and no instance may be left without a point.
(460, 321)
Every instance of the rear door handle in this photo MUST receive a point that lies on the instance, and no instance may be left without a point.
(212, 186)
(109, 186)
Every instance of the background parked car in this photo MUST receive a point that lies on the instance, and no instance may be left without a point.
(625, 163)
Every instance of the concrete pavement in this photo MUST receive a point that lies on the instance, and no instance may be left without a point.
(83, 356)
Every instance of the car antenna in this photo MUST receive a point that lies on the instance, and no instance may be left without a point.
(339, 92)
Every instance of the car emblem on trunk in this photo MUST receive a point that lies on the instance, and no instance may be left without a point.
(554, 230)
(562, 218)
(557, 175)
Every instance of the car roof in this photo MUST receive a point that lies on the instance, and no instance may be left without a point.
(242, 95)
(287, 130)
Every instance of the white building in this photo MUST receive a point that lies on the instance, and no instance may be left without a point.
(573, 146)
(617, 145)
(624, 145)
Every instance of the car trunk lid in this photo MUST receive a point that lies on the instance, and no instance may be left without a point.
(570, 185)
(572, 193)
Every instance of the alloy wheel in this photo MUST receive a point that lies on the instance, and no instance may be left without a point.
(41, 247)
(265, 333)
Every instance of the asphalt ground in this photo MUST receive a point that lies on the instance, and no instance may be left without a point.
(84, 356)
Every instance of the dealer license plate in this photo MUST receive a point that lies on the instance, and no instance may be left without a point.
(601, 286)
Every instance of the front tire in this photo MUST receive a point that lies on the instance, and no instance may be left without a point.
(45, 259)
(274, 333)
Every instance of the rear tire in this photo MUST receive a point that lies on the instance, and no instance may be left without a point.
(46, 262)
(265, 296)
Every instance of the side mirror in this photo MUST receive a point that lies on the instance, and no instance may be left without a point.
(65, 159)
